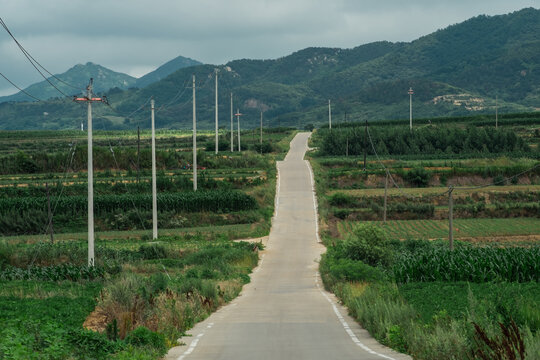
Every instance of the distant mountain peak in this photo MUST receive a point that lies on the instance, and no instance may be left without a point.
(165, 70)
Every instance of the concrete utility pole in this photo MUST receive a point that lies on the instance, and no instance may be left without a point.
(89, 99)
(329, 115)
(496, 112)
(138, 154)
(194, 139)
(451, 218)
(154, 185)
(410, 92)
(232, 126)
(261, 129)
(217, 111)
(238, 126)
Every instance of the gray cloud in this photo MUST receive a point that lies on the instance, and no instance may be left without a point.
(136, 36)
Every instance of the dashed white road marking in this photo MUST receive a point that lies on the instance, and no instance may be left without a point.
(345, 325)
(194, 343)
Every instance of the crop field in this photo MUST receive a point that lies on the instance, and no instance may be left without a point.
(399, 278)
(143, 293)
(463, 228)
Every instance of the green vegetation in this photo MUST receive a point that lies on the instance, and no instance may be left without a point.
(399, 279)
(425, 317)
(150, 295)
(141, 295)
(463, 228)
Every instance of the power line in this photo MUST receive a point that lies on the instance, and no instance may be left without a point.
(31, 60)
(25, 92)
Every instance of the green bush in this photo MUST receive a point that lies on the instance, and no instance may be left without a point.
(418, 177)
(367, 243)
(143, 337)
(353, 270)
(153, 251)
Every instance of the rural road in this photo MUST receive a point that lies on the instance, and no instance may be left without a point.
(284, 313)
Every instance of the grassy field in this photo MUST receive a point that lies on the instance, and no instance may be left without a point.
(463, 228)
(434, 190)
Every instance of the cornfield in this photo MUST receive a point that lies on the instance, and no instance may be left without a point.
(215, 201)
(469, 264)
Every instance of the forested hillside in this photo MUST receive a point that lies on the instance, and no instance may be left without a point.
(456, 71)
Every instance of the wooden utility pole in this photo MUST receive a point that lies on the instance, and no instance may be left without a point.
(385, 196)
(451, 217)
(410, 92)
(51, 231)
(154, 185)
(496, 111)
(365, 146)
(89, 99)
(261, 132)
(194, 139)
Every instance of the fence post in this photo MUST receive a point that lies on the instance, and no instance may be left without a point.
(451, 217)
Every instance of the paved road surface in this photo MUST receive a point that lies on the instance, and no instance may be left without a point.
(284, 313)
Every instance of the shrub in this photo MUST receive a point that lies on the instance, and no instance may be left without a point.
(143, 337)
(354, 270)
(367, 243)
(418, 177)
(152, 251)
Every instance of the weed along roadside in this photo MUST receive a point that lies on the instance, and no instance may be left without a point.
(399, 278)
(143, 294)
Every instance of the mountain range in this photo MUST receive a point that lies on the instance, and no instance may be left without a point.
(463, 69)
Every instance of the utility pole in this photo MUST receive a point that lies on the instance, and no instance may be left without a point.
(154, 185)
(217, 111)
(410, 92)
(261, 130)
(89, 99)
(451, 218)
(238, 126)
(365, 147)
(232, 126)
(496, 112)
(347, 138)
(194, 139)
(385, 196)
(329, 115)
(138, 154)
(51, 231)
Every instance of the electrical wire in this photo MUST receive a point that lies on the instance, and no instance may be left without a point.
(31, 60)
(37, 62)
(23, 91)
(388, 172)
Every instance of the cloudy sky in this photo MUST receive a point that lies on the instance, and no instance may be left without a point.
(135, 36)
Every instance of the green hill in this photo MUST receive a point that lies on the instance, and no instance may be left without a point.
(455, 71)
(77, 76)
(164, 70)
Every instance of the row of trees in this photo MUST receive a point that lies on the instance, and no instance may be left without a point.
(424, 140)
